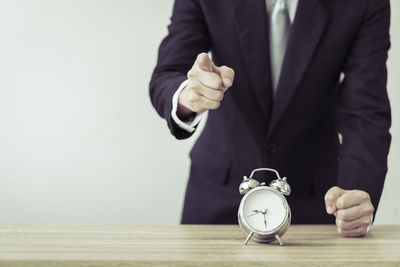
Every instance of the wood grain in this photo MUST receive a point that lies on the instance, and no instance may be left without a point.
(191, 245)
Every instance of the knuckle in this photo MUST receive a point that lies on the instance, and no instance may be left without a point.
(190, 73)
(225, 69)
(340, 203)
(366, 196)
(216, 105)
(366, 222)
(336, 189)
(195, 86)
(369, 210)
(372, 209)
(191, 85)
(361, 231)
(230, 71)
(329, 196)
(220, 95)
(218, 83)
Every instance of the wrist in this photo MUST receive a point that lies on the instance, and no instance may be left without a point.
(185, 114)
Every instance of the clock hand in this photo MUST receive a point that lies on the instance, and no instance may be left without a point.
(256, 212)
(265, 221)
(264, 211)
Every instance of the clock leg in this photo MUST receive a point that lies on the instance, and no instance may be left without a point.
(248, 238)
(279, 240)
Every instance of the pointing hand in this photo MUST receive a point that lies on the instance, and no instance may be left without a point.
(206, 87)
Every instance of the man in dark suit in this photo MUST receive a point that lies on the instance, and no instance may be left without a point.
(301, 73)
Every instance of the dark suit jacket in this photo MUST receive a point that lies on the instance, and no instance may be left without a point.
(297, 133)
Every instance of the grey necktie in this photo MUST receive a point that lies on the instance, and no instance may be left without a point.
(279, 33)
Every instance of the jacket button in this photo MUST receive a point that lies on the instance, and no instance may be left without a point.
(272, 149)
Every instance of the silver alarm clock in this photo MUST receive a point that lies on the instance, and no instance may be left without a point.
(264, 213)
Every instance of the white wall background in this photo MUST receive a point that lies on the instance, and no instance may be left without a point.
(79, 139)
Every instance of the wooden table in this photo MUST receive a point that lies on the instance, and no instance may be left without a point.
(97, 245)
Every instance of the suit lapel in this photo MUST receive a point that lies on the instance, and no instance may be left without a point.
(309, 24)
(252, 29)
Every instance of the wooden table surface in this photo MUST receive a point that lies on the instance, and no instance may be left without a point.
(191, 245)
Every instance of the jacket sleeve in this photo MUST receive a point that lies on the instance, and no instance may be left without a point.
(364, 115)
(187, 37)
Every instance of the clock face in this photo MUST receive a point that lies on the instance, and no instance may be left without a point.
(264, 210)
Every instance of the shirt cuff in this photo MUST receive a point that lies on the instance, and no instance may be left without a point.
(187, 126)
(370, 225)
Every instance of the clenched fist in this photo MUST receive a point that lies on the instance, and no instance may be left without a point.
(353, 210)
(206, 87)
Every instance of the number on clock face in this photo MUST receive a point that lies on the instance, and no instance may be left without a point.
(264, 210)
